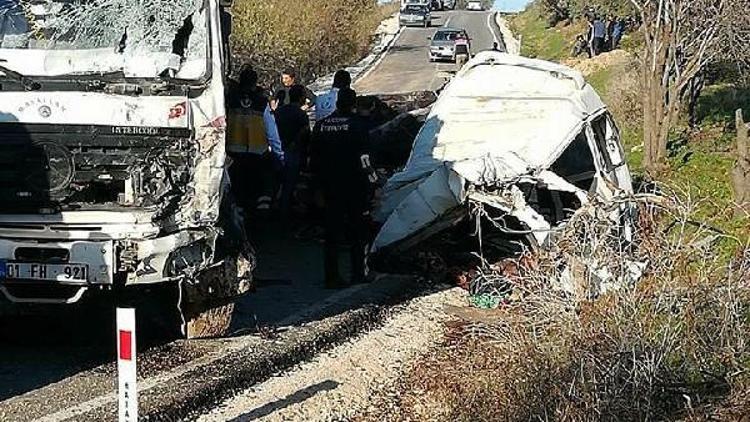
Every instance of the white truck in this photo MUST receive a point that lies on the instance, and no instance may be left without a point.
(112, 159)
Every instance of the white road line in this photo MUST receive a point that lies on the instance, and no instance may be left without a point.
(448, 21)
(489, 26)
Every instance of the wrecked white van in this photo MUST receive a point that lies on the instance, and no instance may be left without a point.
(528, 140)
(112, 161)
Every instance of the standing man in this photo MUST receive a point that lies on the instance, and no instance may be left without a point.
(288, 80)
(598, 33)
(325, 103)
(340, 162)
(294, 129)
(253, 142)
(461, 51)
(617, 30)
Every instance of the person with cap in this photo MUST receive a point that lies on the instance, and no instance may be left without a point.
(340, 161)
(325, 103)
(252, 142)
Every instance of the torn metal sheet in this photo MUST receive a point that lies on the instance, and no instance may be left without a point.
(527, 137)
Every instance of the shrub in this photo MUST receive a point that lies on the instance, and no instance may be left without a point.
(671, 347)
(624, 95)
(313, 37)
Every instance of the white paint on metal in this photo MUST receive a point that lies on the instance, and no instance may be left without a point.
(127, 388)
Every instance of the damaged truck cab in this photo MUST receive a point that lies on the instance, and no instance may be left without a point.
(112, 160)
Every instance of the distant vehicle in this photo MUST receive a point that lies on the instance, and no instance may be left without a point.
(443, 45)
(474, 5)
(414, 15)
(437, 5)
(424, 3)
(449, 4)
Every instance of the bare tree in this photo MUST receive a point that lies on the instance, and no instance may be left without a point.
(683, 37)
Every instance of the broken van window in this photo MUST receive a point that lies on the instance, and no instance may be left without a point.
(96, 35)
(607, 140)
(576, 164)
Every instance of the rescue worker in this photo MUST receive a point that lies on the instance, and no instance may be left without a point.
(325, 103)
(253, 143)
(340, 162)
(294, 129)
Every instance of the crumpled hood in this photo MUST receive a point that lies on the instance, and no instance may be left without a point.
(79, 108)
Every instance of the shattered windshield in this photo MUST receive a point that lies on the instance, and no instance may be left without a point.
(140, 38)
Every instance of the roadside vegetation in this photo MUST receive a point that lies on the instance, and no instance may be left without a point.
(672, 346)
(313, 37)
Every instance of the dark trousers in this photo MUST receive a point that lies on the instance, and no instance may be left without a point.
(597, 45)
(252, 178)
(344, 215)
(289, 180)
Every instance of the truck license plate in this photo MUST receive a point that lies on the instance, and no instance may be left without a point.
(43, 272)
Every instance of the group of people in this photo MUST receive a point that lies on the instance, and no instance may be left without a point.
(603, 34)
(270, 141)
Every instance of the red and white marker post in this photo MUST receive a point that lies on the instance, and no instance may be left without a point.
(126, 366)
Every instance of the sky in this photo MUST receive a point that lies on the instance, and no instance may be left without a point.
(503, 5)
(511, 5)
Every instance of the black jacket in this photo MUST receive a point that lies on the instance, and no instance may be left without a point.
(338, 144)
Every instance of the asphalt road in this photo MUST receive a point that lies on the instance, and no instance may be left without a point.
(63, 368)
(407, 68)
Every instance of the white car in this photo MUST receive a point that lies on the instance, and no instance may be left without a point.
(474, 5)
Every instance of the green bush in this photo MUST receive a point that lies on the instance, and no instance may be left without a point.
(312, 37)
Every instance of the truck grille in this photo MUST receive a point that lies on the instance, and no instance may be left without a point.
(81, 167)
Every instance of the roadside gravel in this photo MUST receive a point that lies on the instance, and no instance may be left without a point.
(338, 384)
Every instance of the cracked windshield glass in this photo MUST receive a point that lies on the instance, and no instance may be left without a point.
(141, 39)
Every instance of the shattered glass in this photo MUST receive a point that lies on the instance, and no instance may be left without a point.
(158, 28)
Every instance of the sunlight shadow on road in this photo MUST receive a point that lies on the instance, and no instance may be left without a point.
(298, 397)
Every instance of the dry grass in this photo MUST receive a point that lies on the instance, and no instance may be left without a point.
(311, 36)
(573, 346)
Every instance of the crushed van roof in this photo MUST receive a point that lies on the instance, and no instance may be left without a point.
(503, 116)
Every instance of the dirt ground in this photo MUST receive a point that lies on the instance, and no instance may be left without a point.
(340, 384)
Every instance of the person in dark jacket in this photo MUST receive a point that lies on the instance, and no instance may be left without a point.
(340, 162)
(294, 130)
(288, 80)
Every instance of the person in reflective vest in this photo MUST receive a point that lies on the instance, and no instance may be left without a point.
(253, 143)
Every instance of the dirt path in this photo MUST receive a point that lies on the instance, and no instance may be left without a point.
(338, 384)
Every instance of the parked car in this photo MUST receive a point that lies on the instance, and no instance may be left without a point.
(449, 4)
(443, 43)
(413, 15)
(474, 5)
(437, 5)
